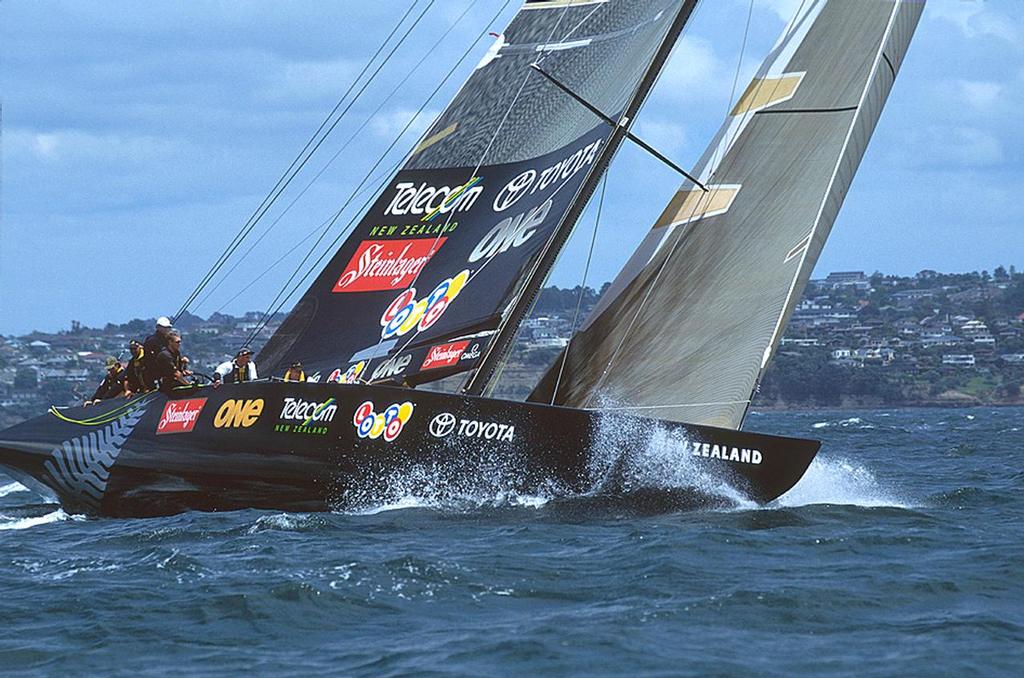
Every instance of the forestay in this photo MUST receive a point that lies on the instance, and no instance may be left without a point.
(687, 327)
(428, 277)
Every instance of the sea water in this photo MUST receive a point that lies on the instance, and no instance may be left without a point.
(901, 552)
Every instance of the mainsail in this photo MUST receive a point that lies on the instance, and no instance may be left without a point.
(687, 328)
(433, 274)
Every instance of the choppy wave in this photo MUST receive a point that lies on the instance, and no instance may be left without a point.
(11, 523)
(11, 488)
(841, 481)
(851, 422)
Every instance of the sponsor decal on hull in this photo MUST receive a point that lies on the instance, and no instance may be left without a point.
(444, 355)
(386, 264)
(238, 413)
(406, 312)
(742, 455)
(180, 416)
(306, 417)
(447, 424)
(372, 424)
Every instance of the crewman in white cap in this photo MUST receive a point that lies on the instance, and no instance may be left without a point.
(155, 343)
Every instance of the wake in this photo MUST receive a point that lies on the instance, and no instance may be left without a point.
(839, 481)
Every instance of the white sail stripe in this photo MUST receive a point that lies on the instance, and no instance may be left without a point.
(832, 180)
(559, 46)
(670, 405)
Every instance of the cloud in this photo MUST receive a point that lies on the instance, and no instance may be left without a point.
(975, 19)
(387, 124)
(979, 94)
(668, 137)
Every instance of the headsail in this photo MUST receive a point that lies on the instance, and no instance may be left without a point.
(687, 327)
(427, 279)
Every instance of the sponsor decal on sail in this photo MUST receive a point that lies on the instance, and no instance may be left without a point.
(473, 353)
(238, 413)
(372, 424)
(386, 264)
(742, 455)
(446, 424)
(306, 417)
(531, 181)
(510, 232)
(407, 312)
(180, 416)
(349, 376)
(418, 229)
(444, 355)
(391, 368)
(424, 199)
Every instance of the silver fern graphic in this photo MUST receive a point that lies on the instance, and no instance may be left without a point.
(81, 467)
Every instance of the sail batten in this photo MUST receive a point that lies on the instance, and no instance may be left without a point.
(695, 316)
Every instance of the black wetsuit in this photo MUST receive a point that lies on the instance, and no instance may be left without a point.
(151, 348)
(112, 386)
(136, 376)
(167, 364)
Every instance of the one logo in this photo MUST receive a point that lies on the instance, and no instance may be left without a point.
(442, 425)
(425, 199)
(238, 413)
(473, 353)
(391, 367)
(514, 190)
(350, 376)
(444, 355)
(386, 264)
(406, 312)
(510, 232)
(180, 416)
(445, 424)
(389, 423)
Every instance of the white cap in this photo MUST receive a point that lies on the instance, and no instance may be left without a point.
(163, 321)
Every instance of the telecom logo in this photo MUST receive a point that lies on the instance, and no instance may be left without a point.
(180, 416)
(305, 414)
(389, 423)
(386, 264)
(427, 200)
(406, 312)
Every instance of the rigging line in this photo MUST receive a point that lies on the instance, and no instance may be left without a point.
(337, 153)
(377, 183)
(480, 162)
(583, 286)
(679, 235)
(262, 324)
(261, 212)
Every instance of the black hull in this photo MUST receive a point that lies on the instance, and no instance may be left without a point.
(297, 447)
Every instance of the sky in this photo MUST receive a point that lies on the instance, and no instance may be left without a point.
(137, 138)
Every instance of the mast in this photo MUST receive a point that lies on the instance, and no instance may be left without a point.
(500, 346)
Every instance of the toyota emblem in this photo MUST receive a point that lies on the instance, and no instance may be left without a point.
(442, 425)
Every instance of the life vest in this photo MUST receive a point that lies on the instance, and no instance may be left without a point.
(288, 375)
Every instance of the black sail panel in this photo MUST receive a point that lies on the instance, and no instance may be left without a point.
(426, 279)
(687, 327)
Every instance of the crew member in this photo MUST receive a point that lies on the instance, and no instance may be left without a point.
(136, 377)
(153, 345)
(112, 385)
(295, 373)
(171, 371)
(237, 371)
